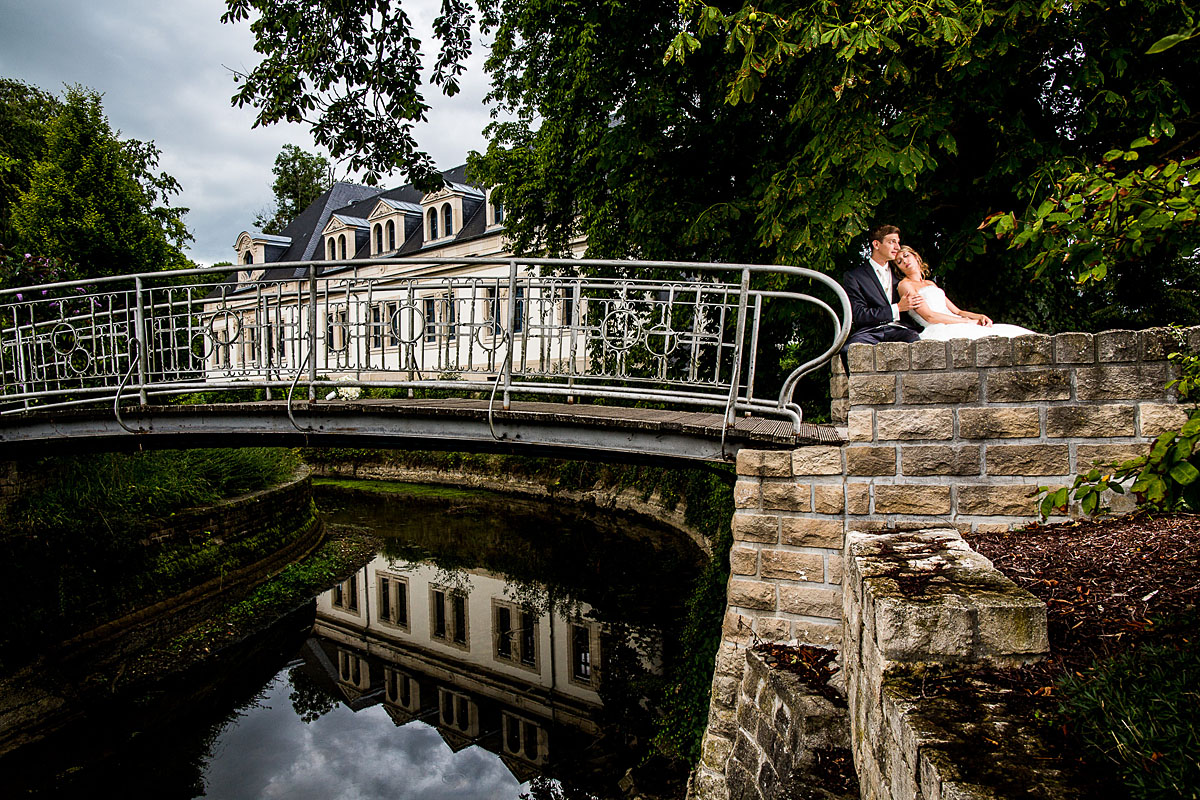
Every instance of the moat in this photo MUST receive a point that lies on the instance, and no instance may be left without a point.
(492, 648)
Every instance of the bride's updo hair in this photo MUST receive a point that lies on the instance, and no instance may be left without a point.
(925, 270)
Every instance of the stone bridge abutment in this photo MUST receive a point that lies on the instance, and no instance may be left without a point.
(939, 435)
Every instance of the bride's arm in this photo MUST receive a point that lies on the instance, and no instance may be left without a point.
(978, 319)
(907, 287)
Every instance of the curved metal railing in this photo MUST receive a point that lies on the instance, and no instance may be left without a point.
(619, 331)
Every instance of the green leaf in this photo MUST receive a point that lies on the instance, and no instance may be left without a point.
(1184, 473)
(1169, 41)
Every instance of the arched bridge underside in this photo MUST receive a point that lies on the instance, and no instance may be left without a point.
(550, 429)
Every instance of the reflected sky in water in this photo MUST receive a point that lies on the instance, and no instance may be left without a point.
(269, 752)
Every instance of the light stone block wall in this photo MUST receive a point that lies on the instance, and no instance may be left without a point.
(940, 434)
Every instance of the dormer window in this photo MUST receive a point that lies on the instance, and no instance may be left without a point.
(378, 229)
(255, 247)
(498, 212)
(248, 258)
(342, 247)
(391, 235)
(331, 250)
(433, 223)
(447, 220)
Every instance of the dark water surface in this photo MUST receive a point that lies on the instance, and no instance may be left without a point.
(494, 648)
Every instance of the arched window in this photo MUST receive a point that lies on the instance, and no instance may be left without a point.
(391, 235)
(248, 258)
(378, 238)
(447, 220)
(433, 223)
(330, 251)
(342, 247)
(498, 209)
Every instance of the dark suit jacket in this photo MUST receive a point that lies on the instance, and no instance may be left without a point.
(868, 306)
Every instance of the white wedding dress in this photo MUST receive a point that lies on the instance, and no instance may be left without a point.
(935, 300)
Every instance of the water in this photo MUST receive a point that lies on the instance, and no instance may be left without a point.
(494, 648)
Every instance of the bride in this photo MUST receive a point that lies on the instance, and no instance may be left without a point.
(940, 318)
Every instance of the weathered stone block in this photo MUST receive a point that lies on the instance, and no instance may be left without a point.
(998, 423)
(1016, 500)
(919, 423)
(746, 494)
(860, 425)
(1158, 418)
(939, 459)
(838, 409)
(743, 561)
(962, 353)
(811, 602)
(929, 355)
(1032, 349)
(1028, 459)
(772, 629)
(757, 595)
(870, 461)
(1074, 348)
(1122, 381)
(1089, 421)
(763, 528)
(992, 527)
(1117, 346)
(715, 752)
(860, 358)
(805, 532)
(1012, 626)
(793, 566)
(836, 367)
(873, 390)
(839, 385)
(817, 461)
(833, 569)
(912, 499)
(1155, 344)
(1012, 386)
(765, 463)
(786, 496)
(1087, 454)
(891, 356)
(940, 387)
(828, 499)
(858, 498)
(817, 633)
(737, 629)
(993, 351)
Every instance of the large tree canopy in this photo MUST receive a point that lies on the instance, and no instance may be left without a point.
(815, 120)
(24, 113)
(94, 200)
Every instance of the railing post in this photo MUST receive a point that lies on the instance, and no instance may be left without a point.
(512, 335)
(312, 331)
(139, 324)
(739, 342)
(754, 346)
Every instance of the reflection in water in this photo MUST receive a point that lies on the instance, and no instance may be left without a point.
(494, 649)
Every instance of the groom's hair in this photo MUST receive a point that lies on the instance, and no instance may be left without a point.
(882, 231)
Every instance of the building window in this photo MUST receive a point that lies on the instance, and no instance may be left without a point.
(429, 306)
(378, 238)
(447, 220)
(248, 258)
(393, 600)
(401, 689)
(433, 219)
(454, 709)
(342, 247)
(330, 249)
(497, 213)
(353, 669)
(345, 594)
(567, 295)
(337, 329)
(391, 235)
(581, 654)
(448, 610)
(519, 311)
(515, 633)
(521, 737)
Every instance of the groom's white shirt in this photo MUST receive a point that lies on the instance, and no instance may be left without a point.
(884, 275)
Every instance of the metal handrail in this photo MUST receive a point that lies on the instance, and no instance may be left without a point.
(661, 332)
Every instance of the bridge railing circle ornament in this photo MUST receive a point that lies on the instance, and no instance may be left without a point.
(666, 333)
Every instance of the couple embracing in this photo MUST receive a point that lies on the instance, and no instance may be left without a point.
(905, 307)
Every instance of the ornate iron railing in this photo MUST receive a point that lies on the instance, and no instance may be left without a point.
(625, 331)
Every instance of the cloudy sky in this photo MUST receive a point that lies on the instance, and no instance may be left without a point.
(164, 69)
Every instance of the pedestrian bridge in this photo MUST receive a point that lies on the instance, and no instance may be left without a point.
(621, 360)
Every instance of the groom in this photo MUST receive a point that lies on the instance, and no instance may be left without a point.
(875, 304)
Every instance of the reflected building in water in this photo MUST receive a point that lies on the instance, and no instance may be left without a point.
(457, 651)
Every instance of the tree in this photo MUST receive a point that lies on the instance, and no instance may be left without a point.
(24, 113)
(94, 199)
(300, 178)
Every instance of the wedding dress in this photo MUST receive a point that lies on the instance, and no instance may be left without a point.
(935, 300)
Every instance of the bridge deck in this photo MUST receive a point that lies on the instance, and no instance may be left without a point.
(568, 430)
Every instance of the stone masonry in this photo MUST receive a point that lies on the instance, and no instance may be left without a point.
(957, 434)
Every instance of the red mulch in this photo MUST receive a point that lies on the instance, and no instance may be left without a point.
(1107, 584)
